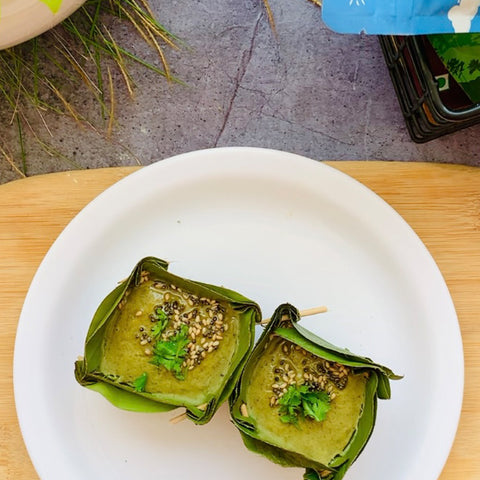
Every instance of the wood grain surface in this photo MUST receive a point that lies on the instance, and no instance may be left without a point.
(440, 202)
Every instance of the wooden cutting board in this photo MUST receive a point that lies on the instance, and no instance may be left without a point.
(440, 202)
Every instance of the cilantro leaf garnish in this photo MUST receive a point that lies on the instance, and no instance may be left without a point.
(302, 402)
(140, 382)
(316, 405)
(160, 314)
(158, 328)
(171, 353)
(162, 319)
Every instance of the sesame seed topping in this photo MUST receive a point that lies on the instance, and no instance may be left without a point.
(205, 318)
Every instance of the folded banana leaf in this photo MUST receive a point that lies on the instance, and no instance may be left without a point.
(303, 402)
(159, 341)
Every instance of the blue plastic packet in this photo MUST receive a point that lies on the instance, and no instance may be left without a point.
(402, 17)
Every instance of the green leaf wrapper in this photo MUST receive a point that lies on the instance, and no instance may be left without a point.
(159, 341)
(286, 357)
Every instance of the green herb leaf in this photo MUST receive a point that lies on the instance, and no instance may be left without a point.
(316, 405)
(160, 314)
(301, 402)
(162, 320)
(157, 330)
(171, 353)
(140, 382)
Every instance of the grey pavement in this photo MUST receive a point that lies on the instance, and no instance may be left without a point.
(305, 90)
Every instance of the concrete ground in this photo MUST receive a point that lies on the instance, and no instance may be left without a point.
(306, 90)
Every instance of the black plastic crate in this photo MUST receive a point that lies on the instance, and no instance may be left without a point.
(416, 70)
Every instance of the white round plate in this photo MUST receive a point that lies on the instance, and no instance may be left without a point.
(21, 20)
(278, 228)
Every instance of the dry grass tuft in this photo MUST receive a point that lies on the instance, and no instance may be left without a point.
(80, 53)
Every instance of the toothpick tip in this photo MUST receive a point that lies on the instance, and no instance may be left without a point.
(178, 418)
(303, 313)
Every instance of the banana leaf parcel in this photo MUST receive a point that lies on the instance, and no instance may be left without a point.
(302, 402)
(159, 341)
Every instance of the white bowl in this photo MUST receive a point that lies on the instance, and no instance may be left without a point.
(21, 20)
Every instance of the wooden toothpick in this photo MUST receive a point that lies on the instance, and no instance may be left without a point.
(183, 416)
(303, 313)
(178, 418)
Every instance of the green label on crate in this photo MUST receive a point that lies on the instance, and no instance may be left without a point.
(460, 54)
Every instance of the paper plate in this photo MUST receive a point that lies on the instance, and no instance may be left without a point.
(278, 228)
